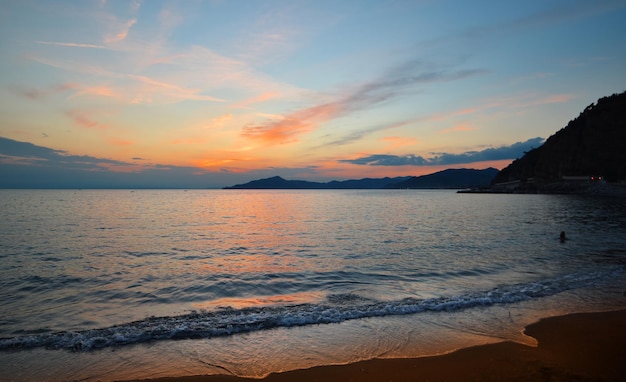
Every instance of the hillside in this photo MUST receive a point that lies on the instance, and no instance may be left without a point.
(592, 145)
(451, 179)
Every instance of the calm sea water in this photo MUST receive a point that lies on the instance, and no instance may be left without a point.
(102, 285)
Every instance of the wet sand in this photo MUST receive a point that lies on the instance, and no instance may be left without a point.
(577, 347)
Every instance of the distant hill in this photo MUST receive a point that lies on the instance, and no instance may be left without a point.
(592, 145)
(277, 182)
(451, 179)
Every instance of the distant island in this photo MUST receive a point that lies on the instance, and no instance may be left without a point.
(446, 179)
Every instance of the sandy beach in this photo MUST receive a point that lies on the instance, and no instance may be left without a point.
(576, 347)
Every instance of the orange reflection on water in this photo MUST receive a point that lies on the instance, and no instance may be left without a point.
(260, 231)
(246, 302)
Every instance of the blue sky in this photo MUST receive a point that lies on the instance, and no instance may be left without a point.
(214, 93)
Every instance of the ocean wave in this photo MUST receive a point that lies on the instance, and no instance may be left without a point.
(336, 309)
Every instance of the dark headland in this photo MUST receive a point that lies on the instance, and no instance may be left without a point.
(586, 156)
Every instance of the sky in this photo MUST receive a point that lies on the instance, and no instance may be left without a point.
(207, 94)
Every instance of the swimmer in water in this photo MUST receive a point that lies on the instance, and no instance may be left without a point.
(562, 237)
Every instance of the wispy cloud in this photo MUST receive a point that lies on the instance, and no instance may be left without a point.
(395, 142)
(365, 96)
(549, 15)
(258, 99)
(459, 127)
(122, 32)
(220, 121)
(521, 101)
(513, 151)
(40, 94)
(81, 119)
(101, 91)
(172, 90)
(135, 5)
(364, 132)
(140, 88)
(287, 129)
(72, 44)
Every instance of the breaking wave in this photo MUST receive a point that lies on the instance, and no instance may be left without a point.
(337, 308)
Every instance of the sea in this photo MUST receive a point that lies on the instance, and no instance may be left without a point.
(105, 285)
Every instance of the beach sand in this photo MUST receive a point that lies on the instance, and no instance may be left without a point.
(576, 347)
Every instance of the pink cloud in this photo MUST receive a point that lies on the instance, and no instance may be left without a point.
(121, 35)
(102, 91)
(82, 120)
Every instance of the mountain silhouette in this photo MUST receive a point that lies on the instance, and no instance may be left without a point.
(591, 147)
(451, 179)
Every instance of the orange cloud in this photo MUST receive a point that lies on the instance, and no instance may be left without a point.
(221, 163)
(287, 129)
(395, 142)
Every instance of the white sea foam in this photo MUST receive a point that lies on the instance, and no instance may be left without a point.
(229, 321)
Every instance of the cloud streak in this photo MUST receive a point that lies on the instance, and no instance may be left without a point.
(513, 151)
(40, 94)
(81, 119)
(72, 44)
(393, 84)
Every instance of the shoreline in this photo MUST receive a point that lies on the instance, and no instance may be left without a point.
(578, 346)
(611, 190)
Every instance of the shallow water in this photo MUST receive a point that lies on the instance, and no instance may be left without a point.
(250, 282)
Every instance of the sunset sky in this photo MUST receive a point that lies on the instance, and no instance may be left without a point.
(214, 93)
